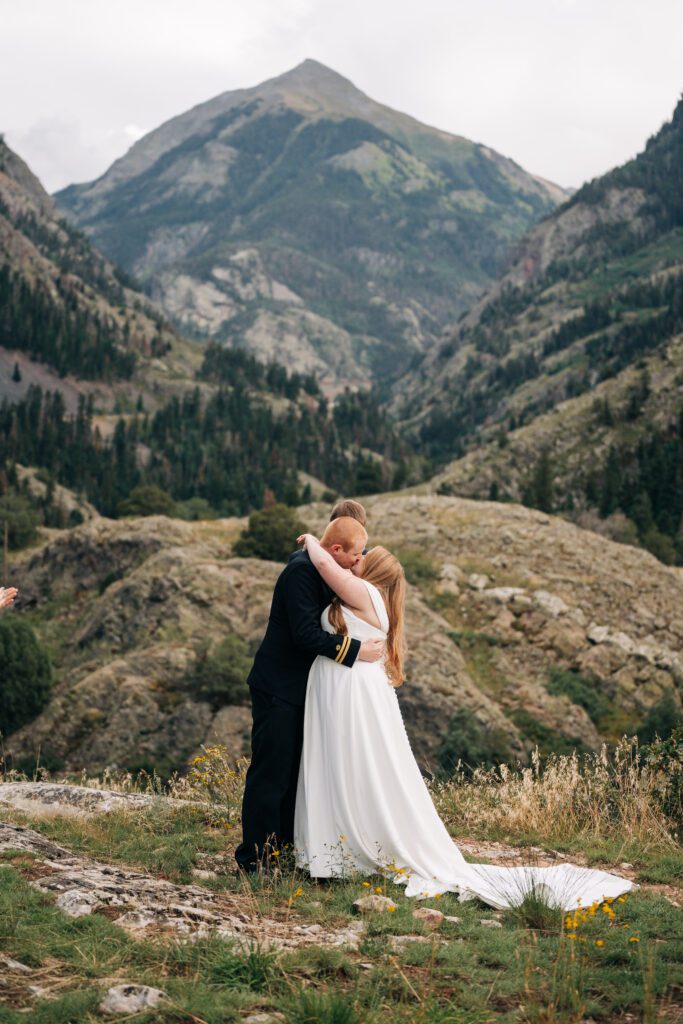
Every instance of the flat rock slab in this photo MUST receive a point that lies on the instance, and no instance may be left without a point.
(61, 799)
(144, 904)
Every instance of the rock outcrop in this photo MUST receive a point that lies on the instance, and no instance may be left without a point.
(143, 904)
(504, 595)
(125, 694)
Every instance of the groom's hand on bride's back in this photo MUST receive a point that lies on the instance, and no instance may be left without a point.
(371, 650)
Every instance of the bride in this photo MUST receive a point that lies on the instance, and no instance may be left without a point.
(362, 804)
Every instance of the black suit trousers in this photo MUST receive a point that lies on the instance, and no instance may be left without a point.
(270, 791)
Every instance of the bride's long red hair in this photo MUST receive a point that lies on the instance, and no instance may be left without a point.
(386, 572)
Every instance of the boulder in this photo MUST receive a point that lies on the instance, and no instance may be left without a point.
(428, 916)
(125, 999)
(373, 904)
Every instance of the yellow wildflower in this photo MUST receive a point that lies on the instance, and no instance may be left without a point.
(599, 942)
(634, 938)
(366, 884)
(391, 909)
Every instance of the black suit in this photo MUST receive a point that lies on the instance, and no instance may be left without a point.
(278, 679)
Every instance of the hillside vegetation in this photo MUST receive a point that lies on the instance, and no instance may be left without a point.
(563, 386)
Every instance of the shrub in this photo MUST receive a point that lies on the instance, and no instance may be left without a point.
(26, 677)
(221, 676)
(21, 518)
(664, 759)
(271, 534)
(661, 546)
(147, 500)
(471, 742)
(662, 720)
(547, 740)
(108, 579)
(195, 508)
(580, 690)
(418, 566)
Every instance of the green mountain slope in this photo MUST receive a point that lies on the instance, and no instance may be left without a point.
(564, 385)
(68, 318)
(98, 393)
(302, 220)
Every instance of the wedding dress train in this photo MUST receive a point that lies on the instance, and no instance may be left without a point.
(363, 806)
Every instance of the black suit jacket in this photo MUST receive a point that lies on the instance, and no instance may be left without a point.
(294, 636)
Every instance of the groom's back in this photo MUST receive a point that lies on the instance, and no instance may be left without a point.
(281, 666)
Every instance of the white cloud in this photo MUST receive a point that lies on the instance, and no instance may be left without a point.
(568, 88)
(62, 151)
(133, 132)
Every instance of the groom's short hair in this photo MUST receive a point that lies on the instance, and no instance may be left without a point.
(348, 507)
(345, 531)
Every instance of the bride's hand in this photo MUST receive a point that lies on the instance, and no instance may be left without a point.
(304, 539)
(7, 596)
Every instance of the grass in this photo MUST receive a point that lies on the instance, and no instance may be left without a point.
(157, 841)
(529, 971)
(464, 973)
(663, 251)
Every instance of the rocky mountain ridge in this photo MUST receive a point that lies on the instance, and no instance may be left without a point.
(304, 221)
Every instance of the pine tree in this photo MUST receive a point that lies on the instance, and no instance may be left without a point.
(611, 485)
(542, 484)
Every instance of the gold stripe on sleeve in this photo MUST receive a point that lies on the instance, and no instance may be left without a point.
(344, 648)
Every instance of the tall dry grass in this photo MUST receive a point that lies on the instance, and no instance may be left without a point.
(602, 796)
(612, 795)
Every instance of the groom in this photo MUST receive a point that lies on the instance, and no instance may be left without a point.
(278, 678)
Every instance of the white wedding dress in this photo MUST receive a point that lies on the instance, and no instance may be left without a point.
(363, 806)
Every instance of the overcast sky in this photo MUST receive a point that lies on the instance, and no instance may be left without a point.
(567, 88)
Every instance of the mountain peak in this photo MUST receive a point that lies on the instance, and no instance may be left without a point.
(314, 81)
(311, 70)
